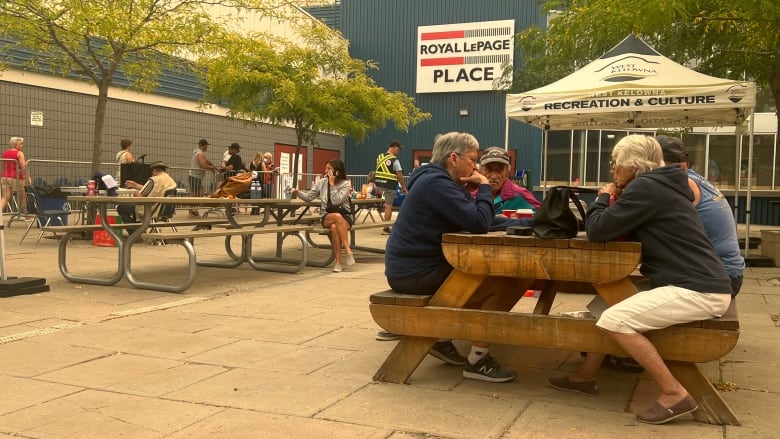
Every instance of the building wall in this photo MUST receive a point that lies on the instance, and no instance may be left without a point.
(386, 31)
(162, 132)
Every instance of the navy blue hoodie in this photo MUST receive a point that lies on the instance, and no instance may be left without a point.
(656, 209)
(436, 205)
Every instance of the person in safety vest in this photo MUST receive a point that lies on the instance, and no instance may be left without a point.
(388, 175)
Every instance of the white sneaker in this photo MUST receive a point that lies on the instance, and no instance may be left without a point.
(337, 268)
(349, 260)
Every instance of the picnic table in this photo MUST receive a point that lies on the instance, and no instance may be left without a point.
(513, 264)
(245, 231)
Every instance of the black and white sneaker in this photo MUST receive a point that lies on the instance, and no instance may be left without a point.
(488, 369)
(446, 352)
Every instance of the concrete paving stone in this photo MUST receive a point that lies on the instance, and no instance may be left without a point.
(33, 326)
(22, 358)
(281, 357)
(752, 375)
(244, 424)
(270, 330)
(146, 417)
(86, 334)
(759, 346)
(241, 305)
(19, 393)
(357, 366)
(431, 412)
(268, 391)
(757, 411)
(175, 320)
(350, 339)
(102, 373)
(544, 419)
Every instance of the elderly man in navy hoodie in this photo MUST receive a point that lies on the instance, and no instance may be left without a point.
(439, 202)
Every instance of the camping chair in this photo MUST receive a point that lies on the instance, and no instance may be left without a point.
(42, 217)
(164, 215)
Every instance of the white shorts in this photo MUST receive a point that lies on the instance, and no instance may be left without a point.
(662, 307)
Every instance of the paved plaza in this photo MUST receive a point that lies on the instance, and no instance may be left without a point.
(246, 354)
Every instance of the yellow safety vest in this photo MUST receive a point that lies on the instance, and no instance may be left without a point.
(384, 174)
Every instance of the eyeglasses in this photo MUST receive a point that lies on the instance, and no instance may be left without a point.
(472, 159)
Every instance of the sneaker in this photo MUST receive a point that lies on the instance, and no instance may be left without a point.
(386, 231)
(337, 268)
(349, 259)
(488, 369)
(446, 352)
(564, 383)
(387, 336)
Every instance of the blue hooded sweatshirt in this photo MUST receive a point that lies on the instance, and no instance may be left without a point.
(436, 205)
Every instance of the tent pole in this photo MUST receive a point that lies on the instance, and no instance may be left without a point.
(506, 134)
(749, 184)
(545, 135)
(737, 166)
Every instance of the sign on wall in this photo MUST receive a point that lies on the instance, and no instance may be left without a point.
(463, 56)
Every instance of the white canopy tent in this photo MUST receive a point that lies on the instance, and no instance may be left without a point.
(633, 86)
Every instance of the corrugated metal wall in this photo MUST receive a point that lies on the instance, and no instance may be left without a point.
(386, 31)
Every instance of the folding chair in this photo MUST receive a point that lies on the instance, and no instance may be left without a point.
(42, 217)
(164, 215)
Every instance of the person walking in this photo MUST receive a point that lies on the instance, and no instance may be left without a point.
(388, 175)
(14, 175)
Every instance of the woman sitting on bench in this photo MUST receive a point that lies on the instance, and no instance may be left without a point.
(687, 277)
(335, 192)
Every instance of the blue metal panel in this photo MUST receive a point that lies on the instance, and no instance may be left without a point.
(386, 31)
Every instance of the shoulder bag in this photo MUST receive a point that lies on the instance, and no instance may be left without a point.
(555, 219)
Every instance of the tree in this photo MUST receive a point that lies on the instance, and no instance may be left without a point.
(313, 84)
(722, 38)
(94, 39)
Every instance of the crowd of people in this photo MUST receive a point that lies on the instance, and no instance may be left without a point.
(690, 253)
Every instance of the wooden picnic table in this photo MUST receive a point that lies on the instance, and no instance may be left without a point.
(513, 264)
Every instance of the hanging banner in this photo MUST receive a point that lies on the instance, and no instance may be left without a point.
(463, 56)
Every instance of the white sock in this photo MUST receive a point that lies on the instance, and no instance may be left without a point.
(477, 353)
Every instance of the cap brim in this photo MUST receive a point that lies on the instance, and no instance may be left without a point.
(494, 160)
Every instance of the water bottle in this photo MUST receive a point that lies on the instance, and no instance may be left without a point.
(259, 190)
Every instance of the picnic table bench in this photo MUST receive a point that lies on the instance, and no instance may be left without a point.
(515, 263)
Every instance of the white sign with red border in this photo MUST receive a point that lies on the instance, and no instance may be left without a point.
(463, 56)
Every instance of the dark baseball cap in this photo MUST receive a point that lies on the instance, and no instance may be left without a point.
(235, 145)
(673, 148)
(203, 142)
(494, 154)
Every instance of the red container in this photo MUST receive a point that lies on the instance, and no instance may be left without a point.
(91, 187)
(101, 238)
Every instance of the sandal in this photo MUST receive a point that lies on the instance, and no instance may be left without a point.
(658, 414)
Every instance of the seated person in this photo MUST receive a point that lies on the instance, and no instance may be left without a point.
(439, 202)
(158, 184)
(687, 279)
(495, 165)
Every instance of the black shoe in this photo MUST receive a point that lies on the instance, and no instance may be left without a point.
(446, 352)
(488, 369)
(387, 336)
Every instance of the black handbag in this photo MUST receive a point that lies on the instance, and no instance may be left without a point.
(555, 219)
(332, 208)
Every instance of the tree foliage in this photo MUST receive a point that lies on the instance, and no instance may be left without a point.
(96, 39)
(722, 38)
(313, 84)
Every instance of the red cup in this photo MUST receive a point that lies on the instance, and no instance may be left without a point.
(524, 213)
(509, 213)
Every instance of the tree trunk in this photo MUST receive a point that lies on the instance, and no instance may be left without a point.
(100, 124)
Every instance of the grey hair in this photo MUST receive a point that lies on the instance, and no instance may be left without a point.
(454, 141)
(14, 140)
(639, 151)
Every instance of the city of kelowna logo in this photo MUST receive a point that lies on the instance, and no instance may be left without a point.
(629, 68)
(737, 92)
(527, 103)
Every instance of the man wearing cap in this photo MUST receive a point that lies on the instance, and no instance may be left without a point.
(198, 167)
(388, 175)
(234, 163)
(156, 186)
(713, 209)
(495, 164)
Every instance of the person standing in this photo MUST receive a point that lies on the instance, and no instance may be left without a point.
(271, 171)
(14, 175)
(125, 155)
(198, 167)
(234, 164)
(388, 175)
